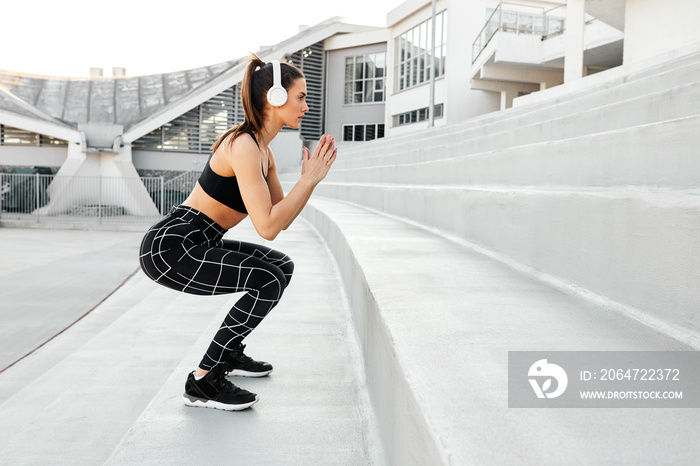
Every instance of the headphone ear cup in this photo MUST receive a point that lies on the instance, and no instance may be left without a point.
(277, 96)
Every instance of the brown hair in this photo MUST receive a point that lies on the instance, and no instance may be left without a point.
(257, 80)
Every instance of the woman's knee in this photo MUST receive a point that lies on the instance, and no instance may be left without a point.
(272, 284)
(287, 270)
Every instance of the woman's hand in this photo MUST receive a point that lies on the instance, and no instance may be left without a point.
(316, 166)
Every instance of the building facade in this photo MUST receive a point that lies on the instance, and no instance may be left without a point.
(435, 63)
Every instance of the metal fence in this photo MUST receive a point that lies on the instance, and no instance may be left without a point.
(41, 198)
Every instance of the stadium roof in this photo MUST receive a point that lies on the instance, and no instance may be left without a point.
(63, 107)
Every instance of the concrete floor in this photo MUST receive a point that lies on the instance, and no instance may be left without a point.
(108, 389)
(49, 278)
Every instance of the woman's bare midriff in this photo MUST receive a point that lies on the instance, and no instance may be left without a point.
(225, 216)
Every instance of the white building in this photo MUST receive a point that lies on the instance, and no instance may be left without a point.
(364, 83)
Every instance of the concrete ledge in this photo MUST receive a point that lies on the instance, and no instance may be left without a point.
(637, 248)
(435, 321)
(658, 155)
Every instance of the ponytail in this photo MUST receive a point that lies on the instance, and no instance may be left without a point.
(257, 80)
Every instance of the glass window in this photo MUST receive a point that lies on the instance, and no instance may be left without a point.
(415, 116)
(370, 132)
(367, 132)
(414, 53)
(347, 133)
(359, 133)
(364, 75)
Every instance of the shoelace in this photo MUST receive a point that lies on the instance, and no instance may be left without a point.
(239, 351)
(221, 381)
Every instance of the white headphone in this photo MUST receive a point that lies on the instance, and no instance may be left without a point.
(277, 95)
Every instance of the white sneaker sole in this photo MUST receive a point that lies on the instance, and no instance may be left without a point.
(242, 373)
(202, 403)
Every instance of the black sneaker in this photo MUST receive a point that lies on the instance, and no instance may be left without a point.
(238, 363)
(215, 391)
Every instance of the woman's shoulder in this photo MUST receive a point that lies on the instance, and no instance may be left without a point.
(232, 152)
(243, 144)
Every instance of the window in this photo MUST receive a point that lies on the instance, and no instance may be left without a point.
(413, 53)
(415, 116)
(196, 130)
(363, 132)
(364, 78)
(10, 136)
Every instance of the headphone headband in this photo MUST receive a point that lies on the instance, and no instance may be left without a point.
(276, 73)
(277, 95)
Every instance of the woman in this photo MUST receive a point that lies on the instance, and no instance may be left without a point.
(185, 250)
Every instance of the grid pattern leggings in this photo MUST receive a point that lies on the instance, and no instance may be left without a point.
(185, 251)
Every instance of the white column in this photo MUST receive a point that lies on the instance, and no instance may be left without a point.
(573, 55)
(78, 182)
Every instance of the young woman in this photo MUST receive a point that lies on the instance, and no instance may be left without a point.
(185, 250)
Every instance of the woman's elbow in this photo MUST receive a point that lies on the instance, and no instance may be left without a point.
(268, 233)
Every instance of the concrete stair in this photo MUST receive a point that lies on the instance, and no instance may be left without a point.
(654, 95)
(436, 319)
(567, 224)
(596, 190)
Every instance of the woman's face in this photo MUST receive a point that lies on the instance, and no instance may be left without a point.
(294, 109)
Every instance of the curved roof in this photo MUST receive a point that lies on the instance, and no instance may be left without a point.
(114, 100)
(132, 105)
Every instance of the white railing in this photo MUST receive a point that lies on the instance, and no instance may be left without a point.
(37, 197)
(519, 19)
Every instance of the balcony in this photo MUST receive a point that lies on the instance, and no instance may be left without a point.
(521, 49)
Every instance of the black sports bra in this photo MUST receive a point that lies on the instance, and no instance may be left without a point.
(225, 189)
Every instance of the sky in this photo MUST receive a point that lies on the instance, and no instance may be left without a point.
(68, 37)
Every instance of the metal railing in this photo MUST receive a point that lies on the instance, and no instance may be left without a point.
(513, 18)
(40, 198)
(182, 184)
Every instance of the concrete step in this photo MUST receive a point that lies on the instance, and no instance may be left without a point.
(82, 406)
(313, 407)
(137, 348)
(436, 320)
(626, 246)
(546, 125)
(662, 155)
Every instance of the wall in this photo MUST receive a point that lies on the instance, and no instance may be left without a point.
(286, 147)
(30, 156)
(175, 161)
(337, 112)
(464, 21)
(656, 31)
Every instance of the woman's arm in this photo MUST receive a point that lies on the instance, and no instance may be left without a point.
(270, 218)
(273, 181)
(276, 191)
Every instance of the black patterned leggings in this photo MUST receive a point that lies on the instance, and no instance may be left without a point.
(185, 251)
